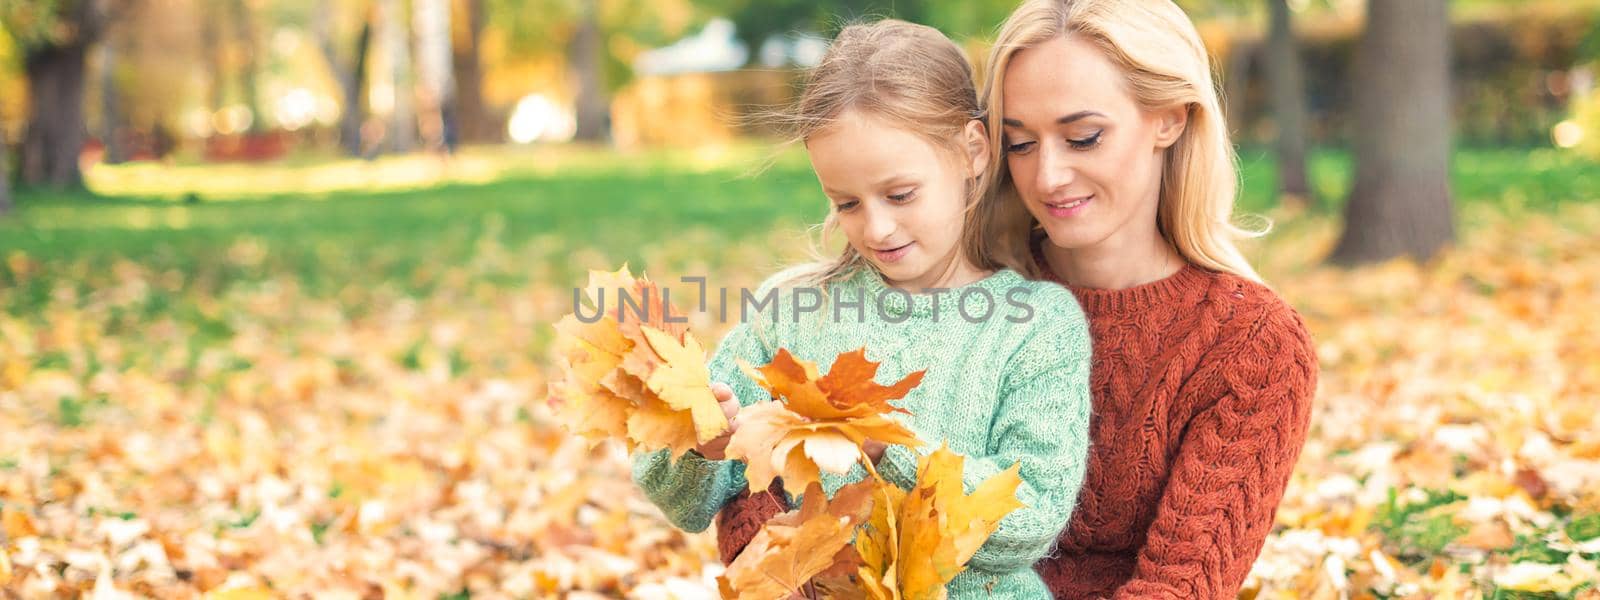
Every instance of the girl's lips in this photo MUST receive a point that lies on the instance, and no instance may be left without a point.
(1070, 208)
(894, 255)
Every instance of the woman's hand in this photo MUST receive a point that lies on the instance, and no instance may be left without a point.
(716, 449)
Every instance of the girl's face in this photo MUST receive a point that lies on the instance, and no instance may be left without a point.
(899, 200)
(1085, 158)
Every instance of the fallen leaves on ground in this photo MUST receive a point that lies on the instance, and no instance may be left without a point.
(1454, 449)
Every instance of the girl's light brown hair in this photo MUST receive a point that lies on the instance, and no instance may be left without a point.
(1157, 48)
(912, 77)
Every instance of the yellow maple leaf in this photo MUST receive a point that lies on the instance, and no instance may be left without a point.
(638, 378)
(916, 542)
(682, 382)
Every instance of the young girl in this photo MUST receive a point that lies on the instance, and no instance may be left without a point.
(891, 122)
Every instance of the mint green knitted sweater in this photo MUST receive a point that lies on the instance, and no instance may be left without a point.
(1007, 381)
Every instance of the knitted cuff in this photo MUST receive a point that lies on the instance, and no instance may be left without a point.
(742, 517)
(899, 466)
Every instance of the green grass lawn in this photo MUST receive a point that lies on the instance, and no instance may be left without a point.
(569, 209)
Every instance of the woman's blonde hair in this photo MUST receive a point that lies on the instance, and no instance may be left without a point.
(1156, 45)
(912, 77)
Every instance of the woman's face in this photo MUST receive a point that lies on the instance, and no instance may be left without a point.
(1085, 158)
(899, 200)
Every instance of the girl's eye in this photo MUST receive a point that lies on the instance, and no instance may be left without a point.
(1086, 143)
(904, 196)
(845, 206)
(1019, 148)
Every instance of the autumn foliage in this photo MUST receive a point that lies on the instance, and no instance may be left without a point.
(634, 375)
(646, 383)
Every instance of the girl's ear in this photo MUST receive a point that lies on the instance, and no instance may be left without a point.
(977, 145)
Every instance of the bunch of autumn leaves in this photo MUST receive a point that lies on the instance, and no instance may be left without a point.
(641, 378)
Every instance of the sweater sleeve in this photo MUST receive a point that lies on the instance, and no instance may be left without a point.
(743, 517)
(1049, 378)
(1232, 466)
(691, 490)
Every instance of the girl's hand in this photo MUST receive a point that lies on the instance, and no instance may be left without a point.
(716, 449)
(874, 450)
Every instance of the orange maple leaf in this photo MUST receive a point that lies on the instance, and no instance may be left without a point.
(822, 421)
(801, 544)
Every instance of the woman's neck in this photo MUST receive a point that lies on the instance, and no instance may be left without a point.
(1116, 263)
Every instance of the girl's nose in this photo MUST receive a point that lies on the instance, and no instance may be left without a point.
(879, 225)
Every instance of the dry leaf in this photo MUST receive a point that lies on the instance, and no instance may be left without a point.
(918, 541)
(821, 422)
(632, 374)
(798, 545)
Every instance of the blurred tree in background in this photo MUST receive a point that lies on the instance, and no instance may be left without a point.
(249, 80)
(758, 20)
(1288, 104)
(597, 39)
(1400, 202)
(55, 37)
(344, 35)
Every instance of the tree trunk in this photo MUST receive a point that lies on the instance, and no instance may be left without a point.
(244, 27)
(431, 18)
(471, 115)
(1400, 202)
(111, 125)
(55, 133)
(351, 76)
(1288, 105)
(1236, 82)
(5, 180)
(402, 130)
(584, 61)
(355, 87)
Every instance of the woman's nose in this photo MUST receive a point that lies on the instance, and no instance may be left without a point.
(1056, 170)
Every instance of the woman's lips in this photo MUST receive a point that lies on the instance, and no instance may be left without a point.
(893, 254)
(1069, 207)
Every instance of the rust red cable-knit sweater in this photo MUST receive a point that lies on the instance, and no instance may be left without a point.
(1202, 386)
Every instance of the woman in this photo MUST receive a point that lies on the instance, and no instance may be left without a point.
(1113, 150)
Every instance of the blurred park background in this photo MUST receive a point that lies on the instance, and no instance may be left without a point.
(277, 280)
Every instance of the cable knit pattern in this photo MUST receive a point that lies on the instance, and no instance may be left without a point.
(988, 382)
(1202, 387)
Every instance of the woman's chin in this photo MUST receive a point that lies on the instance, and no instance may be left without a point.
(1076, 236)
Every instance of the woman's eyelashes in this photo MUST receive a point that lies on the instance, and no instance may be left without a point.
(1085, 143)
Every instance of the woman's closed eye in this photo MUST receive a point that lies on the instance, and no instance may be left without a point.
(903, 197)
(845, 205)
(1086, 143)
(1019, 147)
